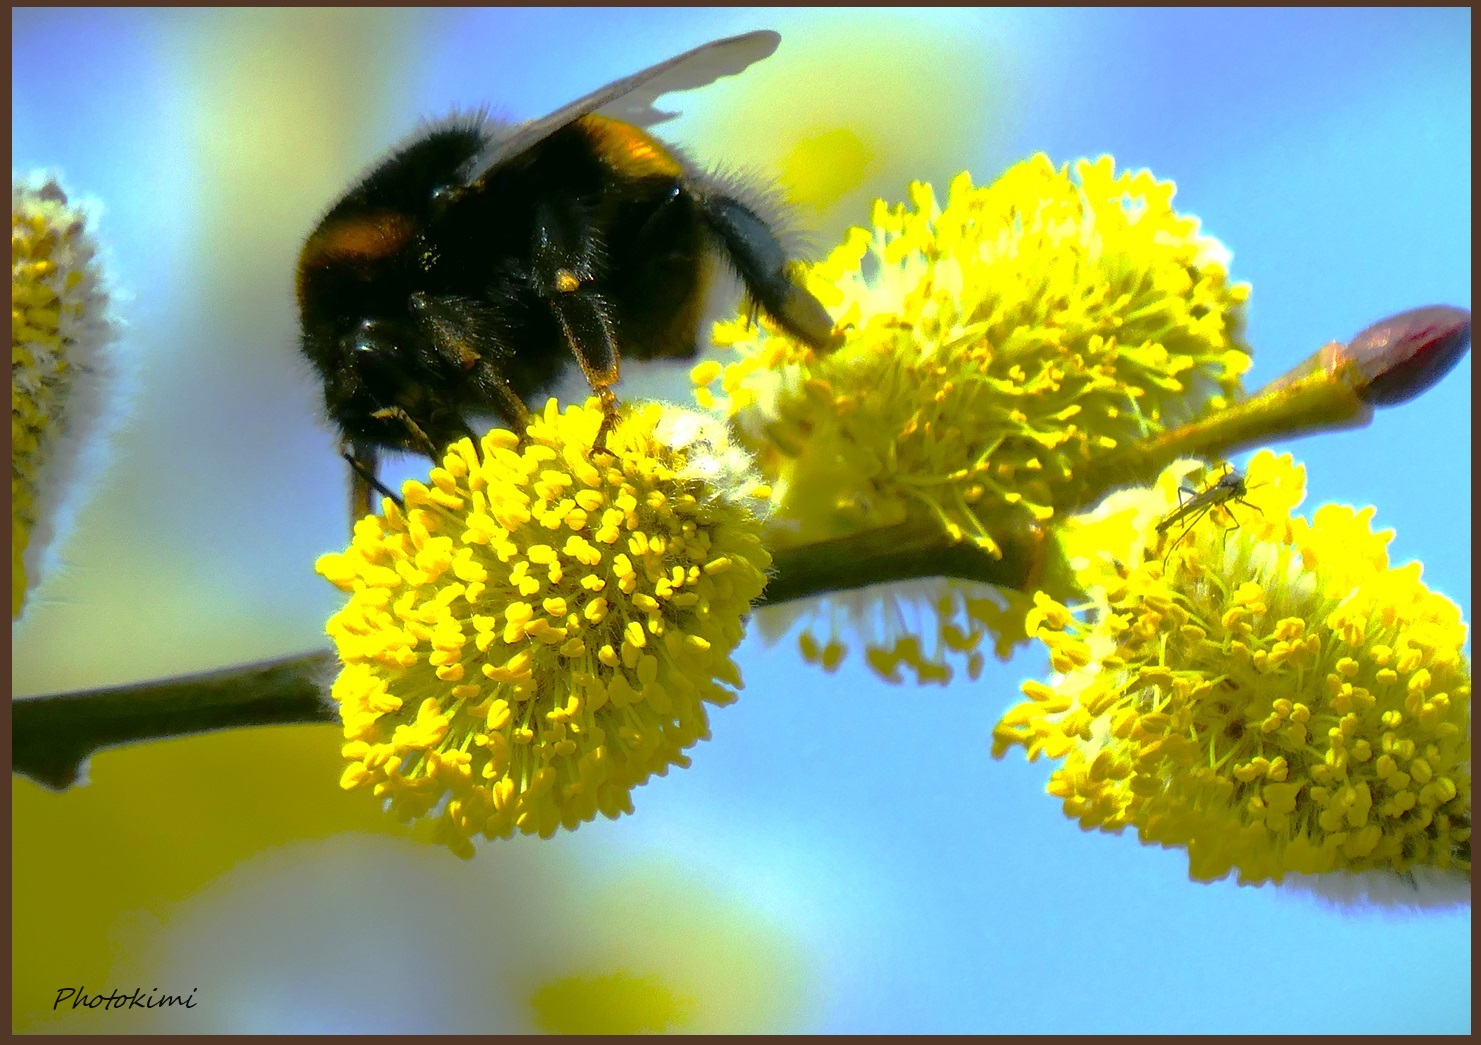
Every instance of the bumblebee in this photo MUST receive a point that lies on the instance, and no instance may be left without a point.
(468, 269)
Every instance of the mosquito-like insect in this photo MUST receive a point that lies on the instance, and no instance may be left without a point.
(1193, 505)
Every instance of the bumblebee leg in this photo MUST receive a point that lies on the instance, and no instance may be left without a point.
(511, 407)
(762, 265)
(588, 329)
(609, 420)
(454, 326)
(419, 440)
(567, 256)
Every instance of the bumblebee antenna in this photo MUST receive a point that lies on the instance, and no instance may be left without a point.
(369, 478)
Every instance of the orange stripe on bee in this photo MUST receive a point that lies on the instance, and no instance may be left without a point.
(367, 237)
(356, 242)
(627, 149)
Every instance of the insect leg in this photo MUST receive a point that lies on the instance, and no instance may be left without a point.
(1229, 508)
(567, 258)
(1187, 502)
(586, 321)
(463, 336)
(417, 438)
(363, 461)
(1197, 515)
(761, 263)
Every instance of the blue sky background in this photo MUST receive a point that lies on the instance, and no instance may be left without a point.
(926, 887)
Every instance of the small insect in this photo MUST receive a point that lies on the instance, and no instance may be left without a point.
(1193, 505)
(467, 270)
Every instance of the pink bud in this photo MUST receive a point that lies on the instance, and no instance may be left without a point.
(1401, 356)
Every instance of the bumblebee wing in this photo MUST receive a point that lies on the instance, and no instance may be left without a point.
(631, 98)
